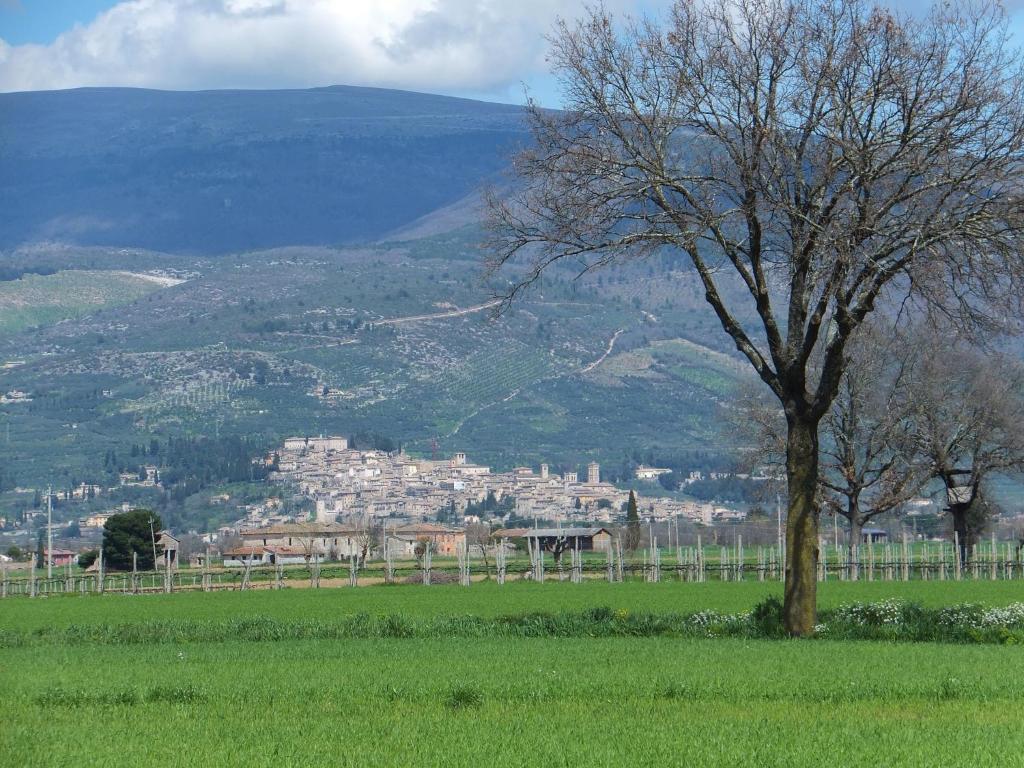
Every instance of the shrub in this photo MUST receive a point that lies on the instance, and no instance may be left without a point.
(464, 697)
(767, 617)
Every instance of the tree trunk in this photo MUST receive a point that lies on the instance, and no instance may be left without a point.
(799, 609)
(960, 512)
(856, 533)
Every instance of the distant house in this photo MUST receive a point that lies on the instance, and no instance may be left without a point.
(316, 444)
(97, 520)
(60, 557)
(584, 539)
(238, 557)
(873, 535)
(326, 539)
(650, 473)
(443, 541)
(86, 491)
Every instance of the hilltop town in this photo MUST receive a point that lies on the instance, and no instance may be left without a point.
(351, 485)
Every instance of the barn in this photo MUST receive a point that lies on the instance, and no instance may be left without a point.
(584, 539)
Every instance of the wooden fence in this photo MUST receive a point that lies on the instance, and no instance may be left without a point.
(700, 563)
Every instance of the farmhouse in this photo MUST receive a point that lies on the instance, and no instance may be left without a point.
(60, 557)
(443, 541)
(259, 555)
(328, 540)
(585, 539)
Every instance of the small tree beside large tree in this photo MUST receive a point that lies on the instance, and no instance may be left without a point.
(870, 462)
(810, 159)
(968, 425)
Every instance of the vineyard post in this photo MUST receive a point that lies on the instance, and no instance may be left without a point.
(679, 549)
(245, 572)
(500, 563)
(426, 563)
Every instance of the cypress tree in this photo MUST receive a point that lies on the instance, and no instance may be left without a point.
(632, 522)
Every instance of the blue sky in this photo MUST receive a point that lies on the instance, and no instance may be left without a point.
(477, 48)
(40, 21)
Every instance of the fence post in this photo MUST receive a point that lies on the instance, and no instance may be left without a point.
(426, 564)
(499, 562)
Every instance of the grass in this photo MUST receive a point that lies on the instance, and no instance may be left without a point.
(461, 701)
(482, 599)
(519, 702)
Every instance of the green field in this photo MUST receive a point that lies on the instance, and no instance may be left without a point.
(512, 701)
(46, 299)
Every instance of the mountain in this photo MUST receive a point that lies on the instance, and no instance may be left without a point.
(215, 172)
(251, 265)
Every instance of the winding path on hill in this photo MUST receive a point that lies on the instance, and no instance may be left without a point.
(439, 315)
(601, 359)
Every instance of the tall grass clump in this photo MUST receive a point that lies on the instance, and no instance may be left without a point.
(464, 696)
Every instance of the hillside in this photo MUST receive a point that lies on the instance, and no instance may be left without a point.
(394, 339)
(223, 171)
(254, 265)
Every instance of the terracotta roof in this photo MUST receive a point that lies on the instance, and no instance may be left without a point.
(425, 528)
(509, 533)
(302, 529)
(287, 551)
(534, 533)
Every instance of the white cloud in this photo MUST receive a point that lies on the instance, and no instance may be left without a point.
(477, 46)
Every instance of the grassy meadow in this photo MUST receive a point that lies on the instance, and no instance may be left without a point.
(462, 701)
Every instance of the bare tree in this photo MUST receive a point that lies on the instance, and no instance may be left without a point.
(478, 537)
(811, 159)
(870, 465)
(367, 536)
(969, 425)
(869, 461)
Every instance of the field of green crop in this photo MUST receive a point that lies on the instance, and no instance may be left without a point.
(613, 701)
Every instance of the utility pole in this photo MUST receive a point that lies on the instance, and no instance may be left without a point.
(49, 532)
(152, 538)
